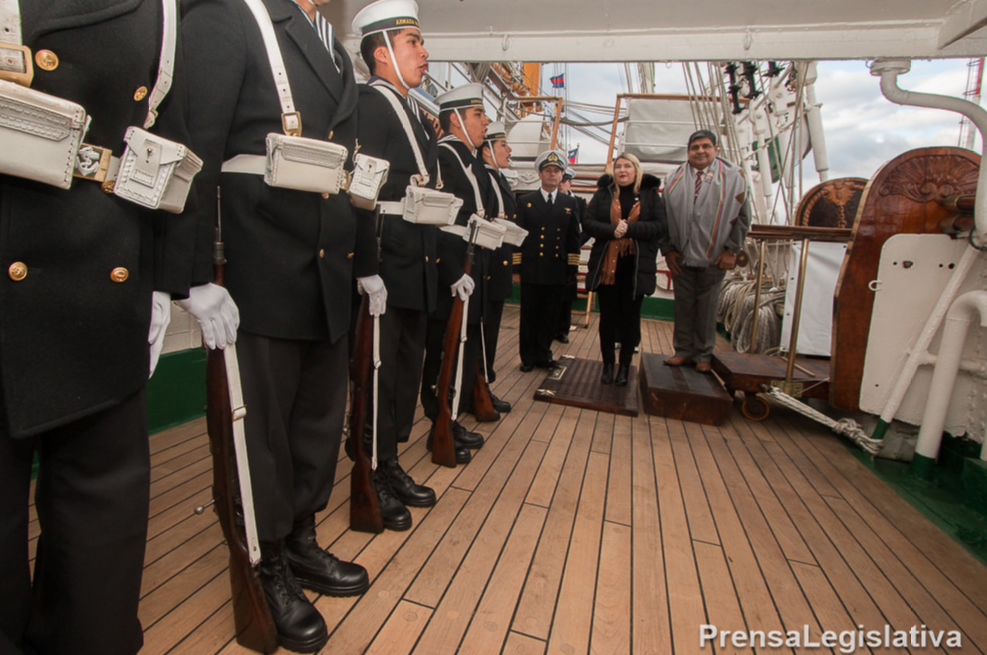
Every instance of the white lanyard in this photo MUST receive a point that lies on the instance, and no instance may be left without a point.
(480, 209)
(10, 33)
(405, 123)
(495, 178)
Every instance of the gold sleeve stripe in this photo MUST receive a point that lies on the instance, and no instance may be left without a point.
(517, 258)
(574, 259)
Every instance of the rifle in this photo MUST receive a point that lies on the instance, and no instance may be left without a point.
(364, 505)
(443, 446)
(233, 503)
(483, 408)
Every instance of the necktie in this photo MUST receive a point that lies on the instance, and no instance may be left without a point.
(550, 200)
(699, 182)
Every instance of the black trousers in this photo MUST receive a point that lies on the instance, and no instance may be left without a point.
(491, 333)
(565, 313)
(540, 306)
(295, 392)
(620, 314)
(92, 501)
(435, 335)
(402, 349)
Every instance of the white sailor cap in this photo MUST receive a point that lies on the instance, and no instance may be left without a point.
(467, 95)
(495, 131)
(386, 15)
(568, 174)
(550, 158)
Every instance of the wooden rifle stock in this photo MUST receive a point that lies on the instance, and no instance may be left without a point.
(364, 505)
(443, 445)
(483, 408)
(251, 617)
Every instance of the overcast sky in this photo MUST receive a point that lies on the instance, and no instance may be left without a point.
(863, 129)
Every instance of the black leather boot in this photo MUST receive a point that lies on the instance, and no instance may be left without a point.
(407, 490)
(463, 455)
(607, 377)
(464, 437)
(318, 570)
(300, 626)
(622, 372)
(395, 515)
(501, 406)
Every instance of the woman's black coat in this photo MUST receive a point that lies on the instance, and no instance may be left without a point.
(650, 226)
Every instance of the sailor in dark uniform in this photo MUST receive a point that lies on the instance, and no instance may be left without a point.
(393, 48)
(571, 289)
(496, 155)
(462, 118)
(85, 298)
(549, 259)
(292, 256)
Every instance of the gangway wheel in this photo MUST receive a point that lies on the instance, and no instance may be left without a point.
(754, 408)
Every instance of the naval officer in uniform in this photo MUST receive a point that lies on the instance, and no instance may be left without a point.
(291, 259)
(394, 50)
(549, 259)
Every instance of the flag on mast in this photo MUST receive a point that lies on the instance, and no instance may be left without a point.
(558, 81)
(573, 155)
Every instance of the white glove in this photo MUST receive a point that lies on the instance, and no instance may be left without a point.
(376, 292)
(464, 287)
(160, 318)
(217, 314)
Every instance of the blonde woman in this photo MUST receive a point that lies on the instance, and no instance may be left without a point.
(626, 217)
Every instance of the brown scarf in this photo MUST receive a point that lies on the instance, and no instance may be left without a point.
(618, 247)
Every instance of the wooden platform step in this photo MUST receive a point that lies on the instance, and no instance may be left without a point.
(747, 372)
(680, 392)
(576, 382)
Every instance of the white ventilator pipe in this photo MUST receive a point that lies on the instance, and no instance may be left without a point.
(814, 118)
(961, 315)
(889, 70)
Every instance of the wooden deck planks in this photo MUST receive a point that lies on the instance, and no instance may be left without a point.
(578, 532)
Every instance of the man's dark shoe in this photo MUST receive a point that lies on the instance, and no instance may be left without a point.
(404, 487)
(318, 570)
(392, 511)
(526, 368)
(549, 364)
(464, 437)
(501, 406)
(463, 455)
(622, 372)
(562, 338)
(300, 626)
(607, 377)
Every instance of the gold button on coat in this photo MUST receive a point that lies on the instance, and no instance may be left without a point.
(46, 60)
(17, 271)
(322, 253)
(140, 93)
(119, 274)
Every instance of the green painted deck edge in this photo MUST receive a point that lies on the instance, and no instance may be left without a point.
(943, 500)
(176, 393)
(662, 309)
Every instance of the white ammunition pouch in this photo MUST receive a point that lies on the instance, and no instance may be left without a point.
(155, 172)
(513, 235)
(295, 162)
(40, 135)
(480, 232)
(368, 177)
(430, 207)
